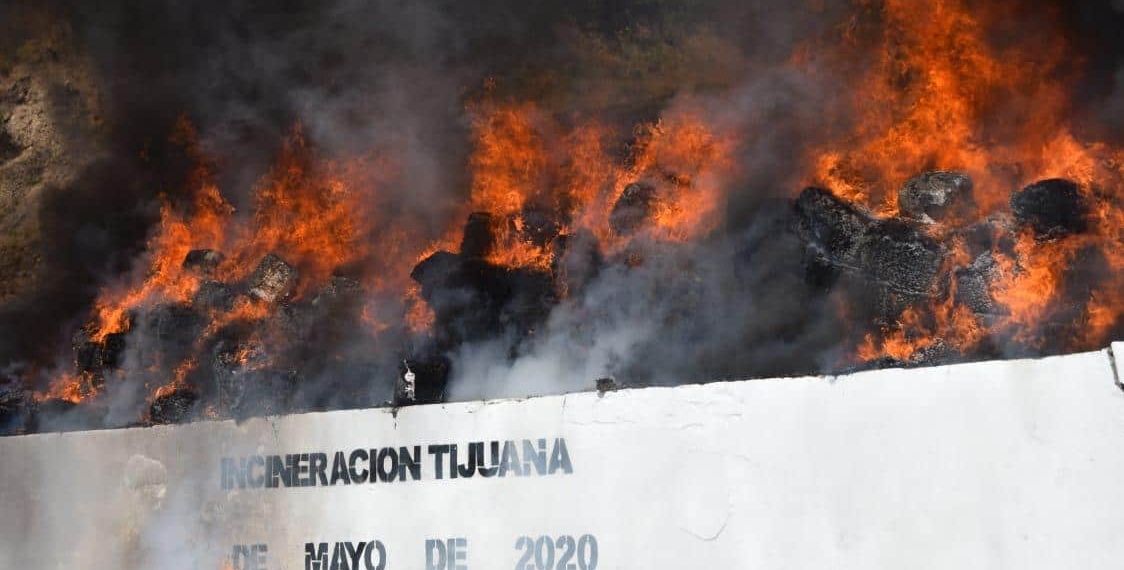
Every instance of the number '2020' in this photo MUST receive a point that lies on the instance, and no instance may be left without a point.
(562, 553)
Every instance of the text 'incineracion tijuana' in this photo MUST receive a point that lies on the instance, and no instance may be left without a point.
(510, 458)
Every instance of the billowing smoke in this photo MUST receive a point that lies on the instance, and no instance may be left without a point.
(272, 207)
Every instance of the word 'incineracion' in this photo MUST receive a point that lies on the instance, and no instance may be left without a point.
(515, 458)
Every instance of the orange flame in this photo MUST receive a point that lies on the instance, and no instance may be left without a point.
(523, 157)
(941, 95)
(316, 215)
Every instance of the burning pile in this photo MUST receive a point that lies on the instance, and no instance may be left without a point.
(233, 312)
(951, 210)
(940, 285)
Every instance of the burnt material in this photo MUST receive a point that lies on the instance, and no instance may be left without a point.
(274, 280)
(234, 367)
(897, 255)
(635, 205)
(214, 296)
(830, 226)
(934, 195)
(203, 261)
(174, 326)
(92, 357)
(884, 266)
(174, 407)
(606, 385)
(474, 299)
(891, 254)
(339, 293)
(1052, 208)
(973, 285)
(936, 353)
(249, 380)
(479, 237)
(539, 225)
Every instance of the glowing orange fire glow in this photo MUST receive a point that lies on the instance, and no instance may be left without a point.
(523, 158)
(930, 90)
(70, 387)
(315, 215)
(940, 95)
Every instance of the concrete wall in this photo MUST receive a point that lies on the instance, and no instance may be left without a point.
(1013, 464)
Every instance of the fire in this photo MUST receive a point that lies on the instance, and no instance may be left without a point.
(525, 160)
(945, 326)
(693, 162)
(1026, 291)
(510, 162)
(175, 236)
(926, 87)
(932, 98)
(419, 317)
(310, 214)
(70, 387)
(317, 215)
(939, 94)
(179, 379)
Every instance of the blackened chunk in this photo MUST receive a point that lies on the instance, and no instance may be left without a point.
(87, 352)
(273, 280)
(1052, 208)
(934, 195)
(973, 285)
(893, 261)
(214, 296)
(474, 299)
(904, 259)
(935, 353)
(95, 357)
(112, 349)
(479, 238)
(539, 225)
(819, 271)
(247, 382)
(175, 325)
(830, 225)
(437, 270)
(532, 298)
(203, 261)
(636, 204)
(340, 291)
(333, 312)
(991, 234)
(606, 384)
(175, 407)
(880, 363)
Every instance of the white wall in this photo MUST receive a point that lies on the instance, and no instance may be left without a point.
(1012, 464)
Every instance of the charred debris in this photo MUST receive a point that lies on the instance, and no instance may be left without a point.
(933, 252)
(244, 367)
